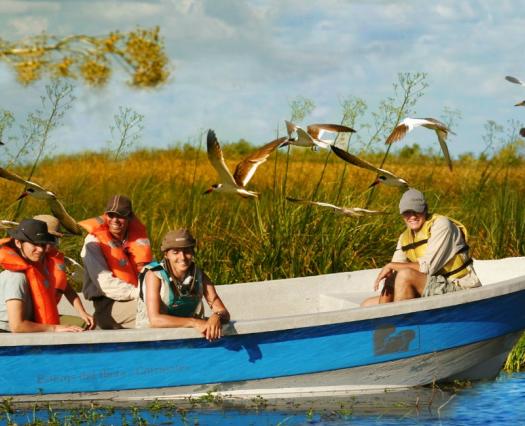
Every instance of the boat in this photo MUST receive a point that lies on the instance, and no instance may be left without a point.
(289, 338)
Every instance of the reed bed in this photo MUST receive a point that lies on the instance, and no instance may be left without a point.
(243, 240)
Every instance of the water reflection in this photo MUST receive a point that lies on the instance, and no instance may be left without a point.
(496, 402)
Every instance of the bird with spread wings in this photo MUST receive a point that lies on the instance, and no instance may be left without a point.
(345, 211)
(313, 136)
(244, 171)
(409, 124)
(35, 190)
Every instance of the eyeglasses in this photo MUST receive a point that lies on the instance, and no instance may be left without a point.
(113, 215)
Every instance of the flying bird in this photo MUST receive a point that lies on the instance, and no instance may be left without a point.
(383, 176)
(345, 211)
(312, 137)
(244, 171)
(8, 224)
(408, 124)
(36, 191)
(514, 80)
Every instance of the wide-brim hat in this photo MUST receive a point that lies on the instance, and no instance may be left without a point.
(53, 224)
(180, 238)
(32, 231)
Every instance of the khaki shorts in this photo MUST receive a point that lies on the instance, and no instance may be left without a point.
(111, 314)
(438, 284)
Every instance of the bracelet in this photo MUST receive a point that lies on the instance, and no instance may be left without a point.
(220, 315)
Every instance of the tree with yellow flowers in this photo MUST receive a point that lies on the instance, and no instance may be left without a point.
(91, 58)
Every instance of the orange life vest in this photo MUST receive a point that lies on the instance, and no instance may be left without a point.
(44, 302)
(56, 266)
(122, 259)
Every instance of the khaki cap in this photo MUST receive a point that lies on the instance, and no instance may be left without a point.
(179, 238)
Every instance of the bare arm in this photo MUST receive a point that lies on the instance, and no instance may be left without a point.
(17, 323)
(75, 301)
(220, 315)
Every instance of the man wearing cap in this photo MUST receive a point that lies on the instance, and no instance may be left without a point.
(431, 257)
(27, 284)
(171, 291)
(114, 252)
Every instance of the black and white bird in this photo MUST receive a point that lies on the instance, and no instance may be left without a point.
(40, 193)
(383, 176)
(313, 136)
(409, 124)
(244, 171)
(345, 211)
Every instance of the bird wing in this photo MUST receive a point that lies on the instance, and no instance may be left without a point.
(514, 80)
(434, 124)
(316, 129)
(366, 211)
(247, 167)
(74, 270)
(442, 137)
(217, 159)
(398, 133)
(63, 216)
(15, 178)
(352, 159)
(290, 128)
(8, 224)
(316, 203)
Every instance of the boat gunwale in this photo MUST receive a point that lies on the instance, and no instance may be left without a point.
(271, 324)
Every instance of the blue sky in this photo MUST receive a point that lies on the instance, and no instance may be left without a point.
(237, 65)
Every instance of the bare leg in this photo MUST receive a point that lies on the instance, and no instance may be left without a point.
(387, 294)
(409, 284)
(374, 300)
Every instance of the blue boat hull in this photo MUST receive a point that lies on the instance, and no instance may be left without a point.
(54, 369)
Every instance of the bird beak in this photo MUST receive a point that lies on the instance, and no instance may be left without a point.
(374, 183)
(207, 191)
(24, 194)
(522, 103)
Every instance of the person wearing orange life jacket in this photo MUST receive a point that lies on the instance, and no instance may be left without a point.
(56, 263)
(27, 291)
(114, 252)
(432, 256)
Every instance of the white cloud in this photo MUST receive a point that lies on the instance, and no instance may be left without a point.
(239, 63)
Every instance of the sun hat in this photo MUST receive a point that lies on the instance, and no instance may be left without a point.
(412, 200)
(119, 204)
(53, 224)
(33, 231)
(179, 238)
